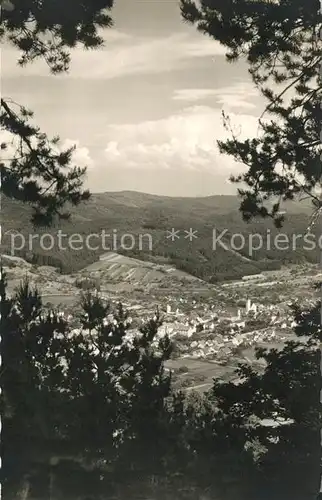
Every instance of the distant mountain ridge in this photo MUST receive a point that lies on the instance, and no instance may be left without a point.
(136, 214)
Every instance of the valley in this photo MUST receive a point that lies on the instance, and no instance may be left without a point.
(213, 326)
(146, 221)
(217, 305)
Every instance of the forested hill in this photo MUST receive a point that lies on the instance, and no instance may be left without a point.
(140, 214)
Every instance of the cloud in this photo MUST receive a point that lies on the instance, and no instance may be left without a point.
(238, 95)
(81, 156)
(123, 55)
(182, 142)
(193, 94)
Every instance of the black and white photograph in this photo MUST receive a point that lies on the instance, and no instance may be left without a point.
(161, 249)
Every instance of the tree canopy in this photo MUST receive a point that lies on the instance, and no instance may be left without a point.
(282, 45)
(92, 410)
(36, 169)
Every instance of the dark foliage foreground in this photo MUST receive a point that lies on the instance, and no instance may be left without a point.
(92, 413)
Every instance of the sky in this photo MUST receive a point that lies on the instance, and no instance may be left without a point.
(145, 111)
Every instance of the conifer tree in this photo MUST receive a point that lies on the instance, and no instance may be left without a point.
(34, 168)
(93, 398)
(32, 347)
(282, 45)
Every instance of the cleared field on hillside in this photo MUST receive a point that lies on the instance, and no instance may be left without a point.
(114, 268)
